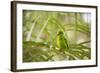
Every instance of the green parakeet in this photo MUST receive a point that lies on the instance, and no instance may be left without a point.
(62, 43)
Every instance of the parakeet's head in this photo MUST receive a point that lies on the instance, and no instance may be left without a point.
(60, 32)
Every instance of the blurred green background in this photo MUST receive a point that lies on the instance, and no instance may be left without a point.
(56, 36)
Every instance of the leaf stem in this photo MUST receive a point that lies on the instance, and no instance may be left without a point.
(38, 37)
(30, 32)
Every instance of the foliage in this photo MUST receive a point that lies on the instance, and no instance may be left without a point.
(42, 42)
